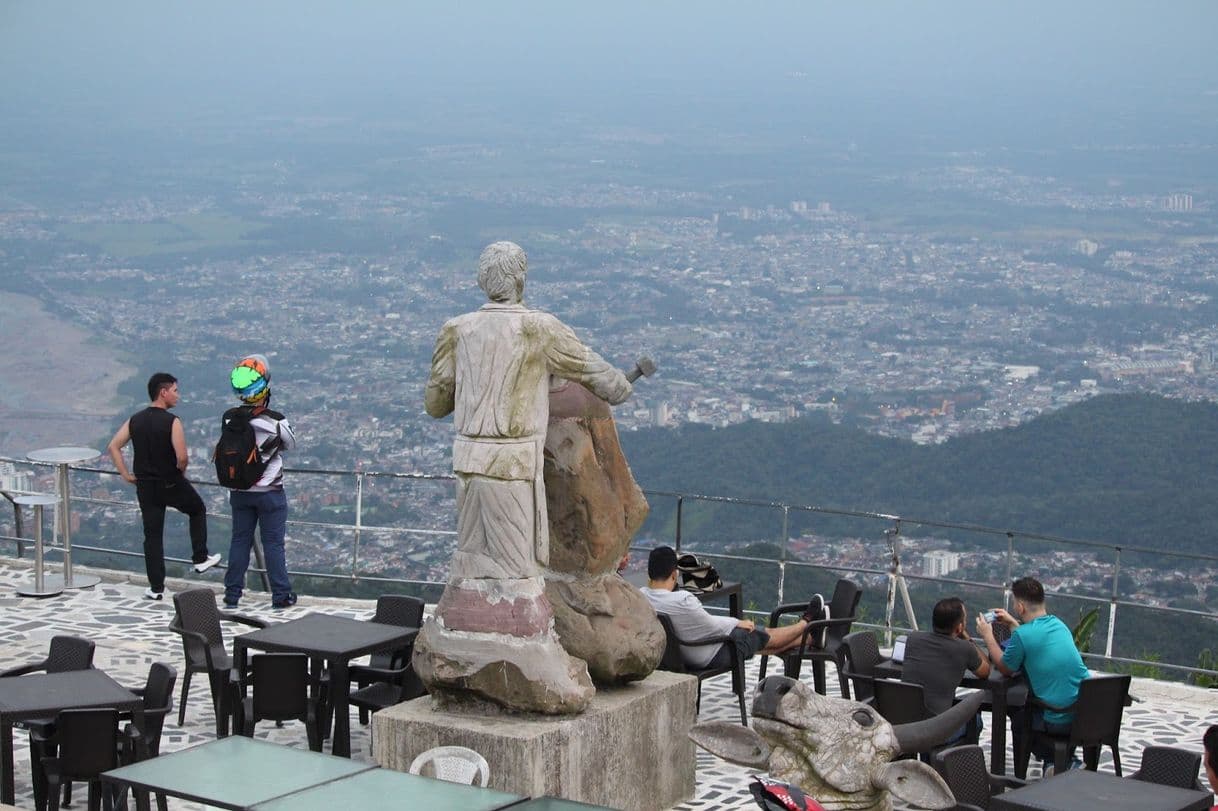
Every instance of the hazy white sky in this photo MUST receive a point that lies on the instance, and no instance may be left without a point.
(344, 57)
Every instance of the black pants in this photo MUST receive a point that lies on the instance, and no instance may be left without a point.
(154, 496)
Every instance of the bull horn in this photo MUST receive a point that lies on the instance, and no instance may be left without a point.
(919, 736)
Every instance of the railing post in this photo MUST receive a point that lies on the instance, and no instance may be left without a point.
(677, 539)
(1006, 584)
(359, 522)
(1112, 605)
(17, 525)
(782, 555)
(894, 569)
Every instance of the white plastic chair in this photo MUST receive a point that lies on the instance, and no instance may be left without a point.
(456, 764)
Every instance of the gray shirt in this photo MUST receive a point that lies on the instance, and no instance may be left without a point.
(691, 621)
(938, 662)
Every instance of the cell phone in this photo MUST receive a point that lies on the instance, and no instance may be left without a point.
(990, 615)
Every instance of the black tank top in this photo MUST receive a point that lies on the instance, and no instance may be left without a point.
(151, 435)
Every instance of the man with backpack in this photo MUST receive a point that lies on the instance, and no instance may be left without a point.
(249, 461)
(160, 479)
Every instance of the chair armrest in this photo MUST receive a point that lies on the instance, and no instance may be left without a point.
(1002, 781)
(815, 624)
(22, 670)
(786, 608)
(244, 619)
(197, 638)
(377, 673)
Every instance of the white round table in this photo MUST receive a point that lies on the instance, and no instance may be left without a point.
(62, 458)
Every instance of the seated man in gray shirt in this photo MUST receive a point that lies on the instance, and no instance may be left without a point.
(938, 661)
(691, 621)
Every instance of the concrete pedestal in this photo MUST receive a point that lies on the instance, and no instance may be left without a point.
(630, 750)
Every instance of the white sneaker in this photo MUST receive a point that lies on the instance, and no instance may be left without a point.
(204, 565)
(149, 594)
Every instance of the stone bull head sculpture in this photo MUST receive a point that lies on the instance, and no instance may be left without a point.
(838, 752)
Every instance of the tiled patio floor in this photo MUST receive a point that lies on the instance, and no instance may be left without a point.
(132, 632)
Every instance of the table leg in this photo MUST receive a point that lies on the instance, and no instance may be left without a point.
(340, 681)
(998, 730)
(6, 763)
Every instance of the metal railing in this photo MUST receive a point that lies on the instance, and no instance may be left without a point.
(886, 529)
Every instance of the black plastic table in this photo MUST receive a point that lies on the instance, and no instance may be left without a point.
(732, 591)
(1004, 691)
(335, 640)
(1081, 790)
(233, 772)
(43, 695)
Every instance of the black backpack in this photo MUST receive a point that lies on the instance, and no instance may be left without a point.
(240, 463)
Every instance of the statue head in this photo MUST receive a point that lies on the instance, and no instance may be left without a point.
(501, 271)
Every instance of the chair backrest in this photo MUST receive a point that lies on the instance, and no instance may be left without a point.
(281, 686)
(196, 611)
(1169, 766)
(963, 769)
(1100, 709)
(845, 603)
(456, 764)
(69, 653)
(399, 609)
(862, 651)
(88, 742)
(396, 609)
(899, 702)
(158, 702)
(672, 660)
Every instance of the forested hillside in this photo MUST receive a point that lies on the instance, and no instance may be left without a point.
(1131, 470)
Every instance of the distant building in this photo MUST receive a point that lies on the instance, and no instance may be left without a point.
(1178, 202)
(1086, 247)
(939, 563)
(13, 480)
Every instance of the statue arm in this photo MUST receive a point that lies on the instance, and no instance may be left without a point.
(441, 386)
(568, 358)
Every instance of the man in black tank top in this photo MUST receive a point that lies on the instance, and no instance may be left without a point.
(160, 479)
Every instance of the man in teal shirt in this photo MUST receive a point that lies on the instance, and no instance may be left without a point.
(1043, 648)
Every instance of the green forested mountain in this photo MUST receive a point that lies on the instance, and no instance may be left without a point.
(1124, 469)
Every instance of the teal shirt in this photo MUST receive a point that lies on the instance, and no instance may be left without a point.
(1044, 650)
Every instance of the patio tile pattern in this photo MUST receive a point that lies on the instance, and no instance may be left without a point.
(132, 632)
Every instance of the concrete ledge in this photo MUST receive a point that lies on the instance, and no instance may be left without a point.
(630, 750)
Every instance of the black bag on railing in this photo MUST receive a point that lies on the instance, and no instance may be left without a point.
(697, 576)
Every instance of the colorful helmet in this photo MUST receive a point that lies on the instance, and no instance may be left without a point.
(251, 379)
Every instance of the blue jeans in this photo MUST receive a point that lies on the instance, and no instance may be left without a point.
(269, 512)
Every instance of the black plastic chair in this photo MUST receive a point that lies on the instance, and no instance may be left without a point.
(84, 744)
(860, 655)
(1098, 712)
(143, 740)
(674, 662)
(1169, 766)
(963, 769)
(842, 610)
(197, 620)
(66, 653)
(388, 678)
(280, 693)
(900, 702)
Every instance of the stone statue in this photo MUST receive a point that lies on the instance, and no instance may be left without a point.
(492, 636)
(839, 752)
(595, 507)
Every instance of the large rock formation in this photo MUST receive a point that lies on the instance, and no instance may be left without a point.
(595, 507)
